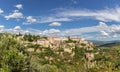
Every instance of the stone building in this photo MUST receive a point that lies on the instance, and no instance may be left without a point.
(89, 56)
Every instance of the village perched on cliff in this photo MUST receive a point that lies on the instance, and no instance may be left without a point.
(68, 44)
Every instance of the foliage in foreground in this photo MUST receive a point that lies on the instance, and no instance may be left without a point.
(12, 58)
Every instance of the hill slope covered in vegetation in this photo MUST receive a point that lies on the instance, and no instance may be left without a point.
(26, 55)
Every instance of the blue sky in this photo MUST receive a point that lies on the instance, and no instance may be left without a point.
(90, 19)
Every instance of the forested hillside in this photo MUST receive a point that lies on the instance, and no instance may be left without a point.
(23, 54)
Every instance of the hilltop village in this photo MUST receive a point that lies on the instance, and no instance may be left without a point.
(55, 42)
(67, 44)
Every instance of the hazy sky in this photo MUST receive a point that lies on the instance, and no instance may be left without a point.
(91, 19)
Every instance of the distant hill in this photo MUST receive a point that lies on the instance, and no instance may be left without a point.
(110, 44)
(106, 43)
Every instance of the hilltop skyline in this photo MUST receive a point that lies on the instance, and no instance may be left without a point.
(90, 19)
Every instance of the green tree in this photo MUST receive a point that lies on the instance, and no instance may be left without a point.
(12, 58)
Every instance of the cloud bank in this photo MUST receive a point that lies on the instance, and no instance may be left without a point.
(62, 15)
(15, 15)
(102, 30)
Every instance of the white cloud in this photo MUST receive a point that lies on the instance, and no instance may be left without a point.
(102, 30)
(19, 6)
(30, 20)
(14, 15)
(78, 31)
(102, 24)
(26, 31)
(16, 11)
(65, 15)
(106, 15)
(51, 31)
(1, 27)
(52, 19)
(1, 11)
(55, 24)
(114, 31)
(103, 33)
(17, 28)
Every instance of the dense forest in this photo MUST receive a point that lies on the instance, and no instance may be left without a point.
(16, 57)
